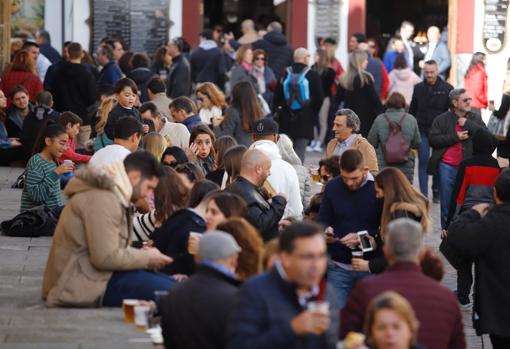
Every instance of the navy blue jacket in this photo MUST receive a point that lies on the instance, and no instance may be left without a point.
(192, 121)
(49, 52)
(349, 211)
(261, 317)
(109, 75)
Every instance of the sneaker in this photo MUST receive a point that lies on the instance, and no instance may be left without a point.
(435, 197)
(317, 148)
(310, 148)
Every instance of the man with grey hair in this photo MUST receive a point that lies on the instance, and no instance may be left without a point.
(435, 306)
(110, 73)
(195, 313)
(450, 139)
(298, 99)
(249, 33)
(346, 127)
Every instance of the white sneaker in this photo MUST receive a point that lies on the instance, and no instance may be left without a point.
(317, 148)
(311, 148)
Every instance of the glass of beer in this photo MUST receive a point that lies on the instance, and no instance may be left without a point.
(193, 242)
(318, 307)
(142, 316)
(314, 172)
(128, 305)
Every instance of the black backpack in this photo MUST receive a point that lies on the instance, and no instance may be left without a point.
(35, 222)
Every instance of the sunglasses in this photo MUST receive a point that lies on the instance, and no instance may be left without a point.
(260, 59)
(469, 99)
(170, 163)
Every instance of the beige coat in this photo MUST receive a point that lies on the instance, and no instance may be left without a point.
(364, 147)
(92, 239)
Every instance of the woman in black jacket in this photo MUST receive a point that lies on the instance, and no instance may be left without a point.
(357, 91)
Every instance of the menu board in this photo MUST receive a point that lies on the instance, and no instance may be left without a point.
(327, 18)
(494, 24)
(143, 24)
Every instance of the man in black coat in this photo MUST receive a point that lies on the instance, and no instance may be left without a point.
(208, 61)
(279, 53)
(430, 98)
(298, 123)
(291, 306)
(74, 89)
(196, 311)
(179, 76)
(263, 213)
(451, 140)
(482, 234)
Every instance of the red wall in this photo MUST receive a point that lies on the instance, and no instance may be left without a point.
(465, 26)
(357, 16)
(191, 21)
(298, 30)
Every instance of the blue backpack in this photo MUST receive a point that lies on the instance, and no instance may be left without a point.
(296, 89)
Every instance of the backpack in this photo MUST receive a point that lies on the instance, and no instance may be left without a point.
(296, 89)
(35, 222)
(395, 150)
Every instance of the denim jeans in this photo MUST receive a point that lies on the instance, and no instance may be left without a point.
(343, 281)
(135, 284)
(423, 161)
(447, 175)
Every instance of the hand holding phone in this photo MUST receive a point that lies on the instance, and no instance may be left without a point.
(365, 241)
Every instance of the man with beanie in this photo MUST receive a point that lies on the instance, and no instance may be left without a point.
(195, 313)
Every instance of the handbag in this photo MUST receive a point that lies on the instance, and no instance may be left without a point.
(498, 127)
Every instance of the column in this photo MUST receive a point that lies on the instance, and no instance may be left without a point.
(5, 34)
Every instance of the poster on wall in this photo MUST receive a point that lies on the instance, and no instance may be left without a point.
(327, 19)
(143, 24)
(27, 16)
(494, 24)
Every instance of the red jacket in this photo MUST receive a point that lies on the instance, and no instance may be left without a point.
(30, 81)
(71, 154)
(435, 306)
(475, 84)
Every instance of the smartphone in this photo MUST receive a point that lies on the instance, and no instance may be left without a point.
(365, 242)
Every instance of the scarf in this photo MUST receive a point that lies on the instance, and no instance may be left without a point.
(258, 73)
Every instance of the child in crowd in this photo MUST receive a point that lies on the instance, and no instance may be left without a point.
(43, 171)
(72, 122)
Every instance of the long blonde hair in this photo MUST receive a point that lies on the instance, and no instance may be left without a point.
(400, 194)
(155, 144)
(355, 69)
(103, 111)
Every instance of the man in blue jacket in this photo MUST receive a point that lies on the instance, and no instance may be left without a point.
(348, 206)
(290, 306)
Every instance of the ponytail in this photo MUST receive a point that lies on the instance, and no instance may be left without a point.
(50, 129)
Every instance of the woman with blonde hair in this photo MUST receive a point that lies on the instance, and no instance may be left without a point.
(401, 200)
(212, 102)
(155, 144)
(252, 246)
(390, 323)
(357, 91)
(106, 106)
(243, 68)
(21, 72)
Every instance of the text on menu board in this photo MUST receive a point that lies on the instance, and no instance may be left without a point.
(494, 24)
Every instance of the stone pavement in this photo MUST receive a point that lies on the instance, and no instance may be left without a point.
(26, 323)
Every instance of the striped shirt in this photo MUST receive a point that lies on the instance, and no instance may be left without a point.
(143, 226)
(42, 184)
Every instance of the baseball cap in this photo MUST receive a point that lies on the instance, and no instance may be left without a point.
(265, 127)
(217, 245)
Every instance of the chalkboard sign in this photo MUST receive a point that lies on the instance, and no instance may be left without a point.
(494, 24)
(143, 24)
(327, 18)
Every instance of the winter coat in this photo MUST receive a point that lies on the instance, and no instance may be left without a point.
(363, 100)
(476, 176)
(264, 215)
(141, 77)
(30, 81)
(118, 112)
(92, 239)
(475, 84)
(443, 135)
(204, 323)
(403, 82)
(486, 241)
(379, 135)
(283, 178)
(361, 144)
(299, 123)
(179, 78)
(208, 64)
(232, 125)
(109, 75)
(238, 74)
(442, 57)
(279, 54)
(74, 89)
(429, 101)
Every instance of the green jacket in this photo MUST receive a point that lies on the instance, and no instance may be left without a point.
(378, 135)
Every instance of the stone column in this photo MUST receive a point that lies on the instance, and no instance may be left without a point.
(5, 34)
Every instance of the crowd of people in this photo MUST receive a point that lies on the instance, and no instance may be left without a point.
(185, 172)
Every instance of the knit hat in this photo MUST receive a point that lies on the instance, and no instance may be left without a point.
(216, 245)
